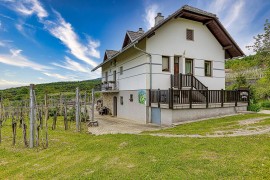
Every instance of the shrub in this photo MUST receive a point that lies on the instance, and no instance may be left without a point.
(265, 104)
(254, 107)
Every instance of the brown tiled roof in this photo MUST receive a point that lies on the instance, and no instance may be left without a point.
(109, 54)
(187, 12)
(134, 35)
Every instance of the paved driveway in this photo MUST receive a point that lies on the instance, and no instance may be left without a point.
(114, 125)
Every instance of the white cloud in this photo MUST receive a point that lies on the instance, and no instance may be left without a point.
(72, 65)
(2, 44)
(66, 34)
(15, 58)
(30, 7)
(61, 77)
(4, 84)
(150, 14)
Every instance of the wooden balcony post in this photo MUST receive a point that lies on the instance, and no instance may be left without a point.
(191, 79)
(180, 81)
(190, 98)
(222, 95)
(170, 98)
(207, 98)
(236, 97)
(172, 81)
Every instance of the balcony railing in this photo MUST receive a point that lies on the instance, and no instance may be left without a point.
(214, 98)
(107, 86)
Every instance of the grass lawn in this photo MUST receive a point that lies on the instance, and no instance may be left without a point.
(74, 155)
(212, 125)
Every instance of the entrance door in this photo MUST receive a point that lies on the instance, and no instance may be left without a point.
(176, 65)
(156, 115)
(114, 106)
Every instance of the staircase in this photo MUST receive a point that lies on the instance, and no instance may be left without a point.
(183, 81)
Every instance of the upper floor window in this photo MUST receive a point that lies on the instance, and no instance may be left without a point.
(121, 70)
(208, 68)
(165, 63)
(190, 34)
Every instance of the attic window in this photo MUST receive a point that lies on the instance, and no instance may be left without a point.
(190, 34)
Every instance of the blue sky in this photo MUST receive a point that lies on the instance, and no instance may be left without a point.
(58, 40)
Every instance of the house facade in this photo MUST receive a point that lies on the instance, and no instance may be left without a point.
(186, 51)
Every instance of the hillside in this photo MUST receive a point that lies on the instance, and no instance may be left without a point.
(20, 93)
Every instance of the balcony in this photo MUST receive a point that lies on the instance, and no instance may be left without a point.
(109, 86)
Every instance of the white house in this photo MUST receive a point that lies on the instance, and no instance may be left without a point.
(169, 73)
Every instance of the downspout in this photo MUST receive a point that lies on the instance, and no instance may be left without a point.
(150, 69)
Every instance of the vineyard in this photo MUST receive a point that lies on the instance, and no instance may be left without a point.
(30, 117)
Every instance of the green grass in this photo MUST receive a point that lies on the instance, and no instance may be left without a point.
(209, 126)
(74, 155)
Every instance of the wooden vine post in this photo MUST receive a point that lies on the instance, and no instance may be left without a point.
(46, 119)
(93, 104)
(32, 116)
(78, 123)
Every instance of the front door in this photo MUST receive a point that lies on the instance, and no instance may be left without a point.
(114, 106)
(176, 65)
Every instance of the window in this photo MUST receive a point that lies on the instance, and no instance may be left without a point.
(189, 66)
(165, 63)
(106, 76)
(208, 68)
(190, 34)
(121, 100)
(121, 70)
(131, 97)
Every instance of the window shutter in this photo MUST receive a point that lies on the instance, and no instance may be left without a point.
(190, 34)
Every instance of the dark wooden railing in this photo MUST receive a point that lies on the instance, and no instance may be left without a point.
(186, 80)
(190, 97)
(107, 86)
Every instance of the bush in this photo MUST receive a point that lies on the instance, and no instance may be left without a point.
(254, 107)
(265, 104)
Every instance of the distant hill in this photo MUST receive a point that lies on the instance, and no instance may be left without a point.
(21, 93)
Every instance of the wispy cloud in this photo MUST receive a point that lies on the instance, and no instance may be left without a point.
(61, 77)
(66, 34)
(58, 27)
(4, 84)
(29, 7)
(15, 58)
(150, 14)
(72, 65)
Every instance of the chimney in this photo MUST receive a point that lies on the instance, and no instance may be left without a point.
(140, 30)
(158, 18)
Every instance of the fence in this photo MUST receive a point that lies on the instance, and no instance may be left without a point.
(175, 97)
(36, 116)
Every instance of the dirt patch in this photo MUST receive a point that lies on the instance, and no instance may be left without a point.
(112, 125)
(252, 121)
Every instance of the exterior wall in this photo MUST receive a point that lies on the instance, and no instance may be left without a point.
(169, 116)
(131, 110)
(108, 101)
(135, 65)
(170, 40)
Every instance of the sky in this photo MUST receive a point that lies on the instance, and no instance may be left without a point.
(45, 41)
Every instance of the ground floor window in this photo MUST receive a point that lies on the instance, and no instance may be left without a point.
(121, 100)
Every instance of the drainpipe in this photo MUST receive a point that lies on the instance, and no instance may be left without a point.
(150, 69)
